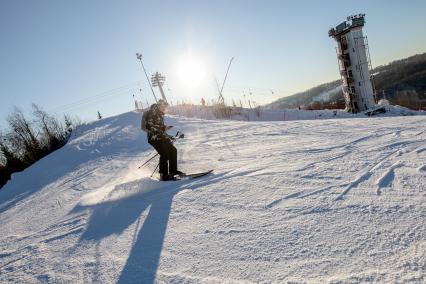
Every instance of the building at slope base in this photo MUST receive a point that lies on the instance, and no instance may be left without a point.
(354, 64)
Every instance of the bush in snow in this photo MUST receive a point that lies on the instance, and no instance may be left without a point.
(222, 111)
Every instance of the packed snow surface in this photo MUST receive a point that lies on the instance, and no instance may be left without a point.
(318, 201)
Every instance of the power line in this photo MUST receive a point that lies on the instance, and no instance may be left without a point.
(94, 101)
(99, 95)
(96, 98)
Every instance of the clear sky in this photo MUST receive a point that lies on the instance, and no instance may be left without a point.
(79, 56)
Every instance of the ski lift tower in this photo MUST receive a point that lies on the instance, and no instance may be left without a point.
(158, 81)
(354, 63)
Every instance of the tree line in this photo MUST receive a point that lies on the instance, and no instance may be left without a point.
(28, 139)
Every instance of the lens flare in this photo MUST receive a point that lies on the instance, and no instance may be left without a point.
(191, 70)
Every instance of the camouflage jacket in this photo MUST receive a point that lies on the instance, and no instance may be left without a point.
(155, 124)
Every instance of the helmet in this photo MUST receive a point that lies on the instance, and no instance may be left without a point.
(162, 102)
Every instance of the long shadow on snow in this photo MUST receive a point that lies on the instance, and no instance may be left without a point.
(125, 204)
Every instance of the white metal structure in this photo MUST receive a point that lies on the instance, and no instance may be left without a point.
(354, 63)
(158, 81)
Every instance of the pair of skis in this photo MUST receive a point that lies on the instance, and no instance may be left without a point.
(178, 177)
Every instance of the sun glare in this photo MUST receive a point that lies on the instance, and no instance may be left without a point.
(191, 70)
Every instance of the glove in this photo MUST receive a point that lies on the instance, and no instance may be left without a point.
(174, 138)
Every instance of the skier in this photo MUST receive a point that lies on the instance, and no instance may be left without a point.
(153, 122)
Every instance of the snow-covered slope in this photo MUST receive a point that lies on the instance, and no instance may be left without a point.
(304, 201)
(265, 114)
(327, 95)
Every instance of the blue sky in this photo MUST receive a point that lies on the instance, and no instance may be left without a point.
(79, 56)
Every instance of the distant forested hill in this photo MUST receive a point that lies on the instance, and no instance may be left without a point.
(402, 82)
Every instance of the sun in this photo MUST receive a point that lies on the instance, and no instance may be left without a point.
(191, 70)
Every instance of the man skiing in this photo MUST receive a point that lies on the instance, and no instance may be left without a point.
(153, 122)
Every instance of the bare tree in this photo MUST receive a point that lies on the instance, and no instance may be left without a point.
(53, 131)
(27, 141)
(9, 162)
(23, 137)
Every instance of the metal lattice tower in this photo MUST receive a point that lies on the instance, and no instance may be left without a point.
(158, 81)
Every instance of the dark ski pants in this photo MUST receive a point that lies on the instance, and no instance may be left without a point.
(168, 155)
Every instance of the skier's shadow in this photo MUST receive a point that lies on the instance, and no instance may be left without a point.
(125, 205)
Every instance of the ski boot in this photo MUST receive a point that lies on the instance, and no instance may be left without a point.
(164, 177)
(178, 173)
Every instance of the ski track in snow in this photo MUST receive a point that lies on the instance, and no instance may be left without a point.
(334, 201)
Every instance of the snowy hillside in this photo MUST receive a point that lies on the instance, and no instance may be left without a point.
(330, 91)
(305, 201)
(328, 95)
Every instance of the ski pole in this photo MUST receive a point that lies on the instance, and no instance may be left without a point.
(178, 136)
(155, 169)
(156, 154)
